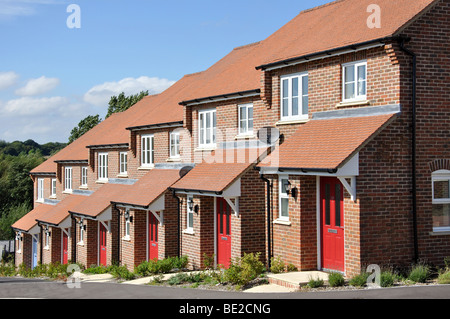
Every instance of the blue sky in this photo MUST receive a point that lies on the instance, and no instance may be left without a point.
(52, 76)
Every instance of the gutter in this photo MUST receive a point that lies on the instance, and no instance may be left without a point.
(402, 42)
(222, 97)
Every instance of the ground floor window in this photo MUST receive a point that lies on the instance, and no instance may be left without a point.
(441, 200)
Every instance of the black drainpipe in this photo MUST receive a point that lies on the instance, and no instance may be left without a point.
(118, 235)
(269, 240)
(74, 239)
(413, 137)
(179, 222)
(42, 246)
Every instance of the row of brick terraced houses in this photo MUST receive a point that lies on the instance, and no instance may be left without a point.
(326, 145)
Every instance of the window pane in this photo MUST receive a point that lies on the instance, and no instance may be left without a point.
(361, 73)
(305, 85)
(441, 215)
(152, 145)
(350, 91)
(349, 73)
(362, 88)
(214, 127)
(295, 87)
(285, 207)
(305, 99)
(208, 128)
(337, 203)
(285, 107)
(190, 220)
(284, 183)
(295, 106)
(327, 204)
(441, 189)
(285, 88)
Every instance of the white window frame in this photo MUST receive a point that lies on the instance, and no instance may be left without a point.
(123, 163)
(203, 129)
(357, 97)
(189, 215)
(68, 179)
(175, 137)
(247, 130)
(53, 187)
(84, 178)
(103, 166)
(440, 176)
(81, 242)
(148, 155)
(127, 228)
(301, 94)
(47, 240)
(40, 190)
(281, 197)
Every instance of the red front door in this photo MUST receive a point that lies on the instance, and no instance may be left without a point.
(65, 248)
(102, 245)
(223, 233)
(332, 223)
(152, 237)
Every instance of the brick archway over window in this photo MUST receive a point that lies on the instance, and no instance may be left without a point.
(439, 164)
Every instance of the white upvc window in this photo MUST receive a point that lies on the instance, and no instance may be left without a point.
(283, 198)
(441, 200)
(53, 188)
(84, 178)
(246, 119)
(189, 215)
(207, 126)
(103, 166)
(354, 81)
(47, 240)
(294, 97)
(40, 189)
(81, 241)
(123, 163)
(147, 150)
(175, 144)
(127, 228)
(68, 179)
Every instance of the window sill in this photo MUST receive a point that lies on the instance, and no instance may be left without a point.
(84, 187)
(189, 231)
(41, 201)
(352, 103)
(205, 148)
(289, 122)
(81, 243)
(53, 197)
(101, 181)
(282, 222)
(174, 159)
(126, 238)
(122, 175)
(245, 136)
(147, 167)
(67, 191)
(436, 232)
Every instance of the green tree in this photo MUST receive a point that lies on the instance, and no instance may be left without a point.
(122, 103)
(84, 126)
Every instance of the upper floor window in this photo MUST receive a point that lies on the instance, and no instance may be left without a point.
(53, 191)
(84, 172)
(40, 189)
(175, 144)
(147, 150)
(441, 200)
(123, 163)
(294, 96)
(68, 179)
(103, 166)
(207, 122)
(354, 84)
(246, 119)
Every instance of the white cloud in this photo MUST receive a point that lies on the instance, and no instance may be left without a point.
(100, 95)
(38, 86)
(14, 8)
(8, 79)
(27, 106)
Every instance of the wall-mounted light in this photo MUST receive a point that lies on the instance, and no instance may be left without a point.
(193, 207)
(291, 190)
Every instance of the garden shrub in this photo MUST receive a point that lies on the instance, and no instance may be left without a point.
(277, 265)
(419, 273)
(336, 279)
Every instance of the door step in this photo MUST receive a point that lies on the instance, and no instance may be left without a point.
(295, 280)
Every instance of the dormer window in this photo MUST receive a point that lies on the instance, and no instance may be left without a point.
(294, 97)
(147, 150)
(68, 179)
(40, 190)
(103, 166)
(207, 128)
(246, 119)
(354, 84)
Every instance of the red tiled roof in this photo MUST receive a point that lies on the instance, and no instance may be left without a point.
(58, 213)
(100, 200)
(149, 188)
(220, 170)
(331, 26)
(327, 143)
(29, 220)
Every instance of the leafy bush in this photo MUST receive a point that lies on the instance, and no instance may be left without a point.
(245, 269)
(419, 273)
(164, 266)
(315, 283)
(444, 278)
(336, 279)
(359, 280)
(277, 265)
(387, 279)
(121, 272)
(291, 268)
(7, 269)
